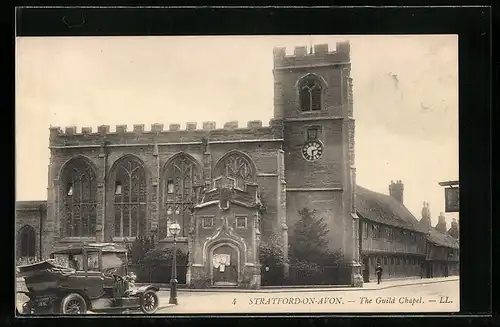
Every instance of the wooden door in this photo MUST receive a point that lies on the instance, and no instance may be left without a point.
(225, 266)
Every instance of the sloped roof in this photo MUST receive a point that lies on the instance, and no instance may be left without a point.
(384, 209)
(442, 239)
(31, 205)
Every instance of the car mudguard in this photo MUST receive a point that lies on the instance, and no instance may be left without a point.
(145, 288)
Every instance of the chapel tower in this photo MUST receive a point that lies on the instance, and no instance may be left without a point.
(313, 99)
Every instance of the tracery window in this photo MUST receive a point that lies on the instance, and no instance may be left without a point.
(79, 199)
(181, 175)
(129, 198)
(310, 93)
(238, 166)
(27, 236)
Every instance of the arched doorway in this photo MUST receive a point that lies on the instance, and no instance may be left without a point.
(225, 265)
(27, 242)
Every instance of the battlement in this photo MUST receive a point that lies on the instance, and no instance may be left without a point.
(318, 55)
(191, 133)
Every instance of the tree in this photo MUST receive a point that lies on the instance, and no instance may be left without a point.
(308, 241)
(311, 259)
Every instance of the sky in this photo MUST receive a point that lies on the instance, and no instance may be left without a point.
(405, 98)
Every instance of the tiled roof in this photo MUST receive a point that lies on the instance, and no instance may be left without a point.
(30, 205)
(384, 209)
(442, 239)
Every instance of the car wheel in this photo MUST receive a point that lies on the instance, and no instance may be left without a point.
(28, 308)
(73, 304)
(149, 302)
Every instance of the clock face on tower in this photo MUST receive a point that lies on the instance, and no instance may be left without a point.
(312, 150)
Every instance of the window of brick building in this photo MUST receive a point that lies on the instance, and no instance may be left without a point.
(170, 186)
(208, 222)
(241, 221)
(79, 200)
(181, 175)
(238, 166)
(130, 198)
(27, 241)
(310, 93)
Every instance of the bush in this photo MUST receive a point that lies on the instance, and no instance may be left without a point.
(272, 260)
(164, 257)
(201, 281)
(305, 272)
(138, 249)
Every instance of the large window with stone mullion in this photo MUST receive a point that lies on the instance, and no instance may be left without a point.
(130, 199)
(237, 167)
(80, 200)
(180, 178)
(310, 92)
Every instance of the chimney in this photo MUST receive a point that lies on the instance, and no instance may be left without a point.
(396, 190)
(454, 231)
(441, 225)
(425, 221)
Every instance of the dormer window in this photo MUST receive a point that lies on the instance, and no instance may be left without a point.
(310, 90)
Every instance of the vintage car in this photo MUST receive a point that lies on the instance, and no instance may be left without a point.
(84, 278)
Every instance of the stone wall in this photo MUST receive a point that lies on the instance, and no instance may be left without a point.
(31, 214)
(154, 150)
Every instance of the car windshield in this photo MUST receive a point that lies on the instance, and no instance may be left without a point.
(113, 260)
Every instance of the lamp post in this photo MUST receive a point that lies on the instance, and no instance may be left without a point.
(174, 230)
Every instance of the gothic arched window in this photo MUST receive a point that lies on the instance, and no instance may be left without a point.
(27, 241)
(181, 175)
(80, 190)
(129, 198)
(238, 166)
(310, 93)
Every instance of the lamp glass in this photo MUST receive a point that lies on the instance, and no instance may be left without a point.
(175, 229)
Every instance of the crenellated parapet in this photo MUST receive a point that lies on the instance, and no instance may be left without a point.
(138, 134)
(318, 55)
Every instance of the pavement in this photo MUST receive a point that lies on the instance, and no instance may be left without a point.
(406, 295)
(280, 289)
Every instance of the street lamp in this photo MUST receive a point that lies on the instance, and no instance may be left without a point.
(174, 230)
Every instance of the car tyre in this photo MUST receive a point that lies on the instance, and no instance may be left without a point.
(73, 304)
(149, 302)
(28, 308)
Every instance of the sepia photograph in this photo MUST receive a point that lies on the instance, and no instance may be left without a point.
(171, 175)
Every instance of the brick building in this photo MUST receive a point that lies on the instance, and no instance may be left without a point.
(30, 217)
(228, 187)
(443, 250)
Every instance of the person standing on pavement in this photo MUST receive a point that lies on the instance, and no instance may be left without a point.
(379, 270)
